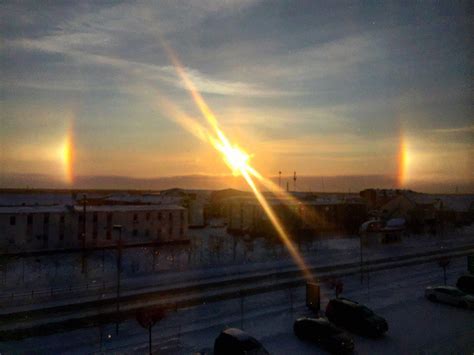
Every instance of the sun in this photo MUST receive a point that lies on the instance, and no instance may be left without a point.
(236, 159)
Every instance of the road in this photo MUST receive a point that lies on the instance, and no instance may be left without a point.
(417, 326)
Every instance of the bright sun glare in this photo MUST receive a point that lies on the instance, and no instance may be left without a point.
(234, 157)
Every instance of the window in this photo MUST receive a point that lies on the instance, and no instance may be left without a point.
(12, 220)
(29, 225)
(159, 216)
(135, 218)
(147, 232)
(108, 233)
(171, 216)
(148, 216)
(135, 233)
(46, 227)
(61, 227)
(94, 225)
(79, 227)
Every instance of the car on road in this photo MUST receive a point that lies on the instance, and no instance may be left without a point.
(323, 332)
(466, 284)
(355, 317)
(449, 294)
(233, 341)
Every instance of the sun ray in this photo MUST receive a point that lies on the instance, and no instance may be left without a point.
(284, 236)
(236, 158)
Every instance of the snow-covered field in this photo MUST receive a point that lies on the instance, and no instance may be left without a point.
(417, 326)
(212, 253)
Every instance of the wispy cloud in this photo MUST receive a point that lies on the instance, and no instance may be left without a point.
(302, 86)
(80, 48)
(455, 130)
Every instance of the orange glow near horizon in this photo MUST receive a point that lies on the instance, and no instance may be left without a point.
(236, 158)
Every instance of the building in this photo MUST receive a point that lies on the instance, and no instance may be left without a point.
(193, 200)
(27, 228)
(378, 197)
(320, 214)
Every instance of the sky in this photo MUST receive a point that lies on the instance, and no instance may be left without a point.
(328, 89)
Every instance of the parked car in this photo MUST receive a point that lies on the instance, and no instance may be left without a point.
(233, 341)
(324, 333)
(466, 284)
(449, 294)
(355, 317)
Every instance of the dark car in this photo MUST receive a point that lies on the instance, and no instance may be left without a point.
(466, 284)
(233, 341)
(355, 317)
(324, 333)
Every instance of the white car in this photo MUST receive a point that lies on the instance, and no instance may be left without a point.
(449, 294)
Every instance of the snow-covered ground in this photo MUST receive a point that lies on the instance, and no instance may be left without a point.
(417, 326)
(212, 253)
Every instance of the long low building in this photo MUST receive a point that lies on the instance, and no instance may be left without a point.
(26, 228)
(246, 215)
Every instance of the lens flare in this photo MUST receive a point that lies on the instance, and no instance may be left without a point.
(236, 158)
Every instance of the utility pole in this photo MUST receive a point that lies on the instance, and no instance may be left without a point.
(279, 179)
(119, 270)
(294, 181)
(84, 266)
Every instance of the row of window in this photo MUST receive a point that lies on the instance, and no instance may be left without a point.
(29, 218)
(159, 216)
(80, 231)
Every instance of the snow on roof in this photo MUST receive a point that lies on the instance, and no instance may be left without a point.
(32, 209)
(422, 199)
(30, 199)
(145, 198)
(326, 200)
(458, 202)
(126, 208)
(78, 208)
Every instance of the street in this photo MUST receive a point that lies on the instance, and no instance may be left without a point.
(415, 324)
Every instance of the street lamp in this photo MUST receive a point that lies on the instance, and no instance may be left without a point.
(118, 228)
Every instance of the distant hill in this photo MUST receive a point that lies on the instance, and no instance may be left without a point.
(350, 183)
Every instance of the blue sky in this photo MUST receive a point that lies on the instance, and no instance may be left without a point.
(323, 88)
